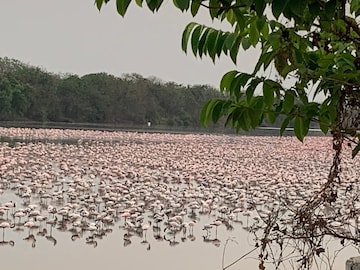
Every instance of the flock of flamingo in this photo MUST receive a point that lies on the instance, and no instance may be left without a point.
(92, 183)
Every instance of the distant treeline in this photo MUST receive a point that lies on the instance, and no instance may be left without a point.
(31, 96)
(29, 93)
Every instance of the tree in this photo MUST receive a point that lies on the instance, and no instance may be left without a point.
(308, 45)
(5, 97)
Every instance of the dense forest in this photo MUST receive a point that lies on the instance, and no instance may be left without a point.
(29, 93)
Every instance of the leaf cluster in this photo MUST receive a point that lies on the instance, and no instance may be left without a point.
(312, 44)
(308, 71)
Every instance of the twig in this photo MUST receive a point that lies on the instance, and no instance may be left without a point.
(237, 260)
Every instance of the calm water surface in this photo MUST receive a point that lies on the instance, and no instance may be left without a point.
(112, 251)
(215, 168)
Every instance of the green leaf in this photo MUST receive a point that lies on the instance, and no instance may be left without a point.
(195, 5)
(217, 111)
(278, 7)
(237, 113)
(298, 8)
(260, 23)
(254, 118)
(246, 120)
(186, 35)
(182, 4)
(274, 39)
(253, 34)
(252, 86)
(235, 49)
(154, 5)
(195, 38)
(230, 113)
(220, 43)
(246, 43)
(240, 19)
(268, 92)
(139, 2)
(211, 43)
(206, 111)
(260, 6)
(301, 128)
(256, 111)
(264, 60)
(235, 87)
(345, 63)
(214, 10)
(326, 61)
(356, 150)
(311, 110)
(244, 77)
(226, 80)
(355, 7)
(231, 83)
(230, 40)
(324, 123)
(202, 41)
(330, 8)
(289, 100)
(122, 6)
(271, 116)
(265, 30)
(314, 9)
(238, 120)
(99, 3)
(327, 115)
(285, 124)
(230, 17)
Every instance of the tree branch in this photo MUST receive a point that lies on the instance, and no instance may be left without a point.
(353, 24)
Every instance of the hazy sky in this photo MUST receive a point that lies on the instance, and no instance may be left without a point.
(72, 36)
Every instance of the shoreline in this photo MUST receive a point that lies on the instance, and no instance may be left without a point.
(261, 131)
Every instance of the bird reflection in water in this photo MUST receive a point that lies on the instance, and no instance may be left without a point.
(5, 225)
(172, 241)
(7, 243)
(146, 243)
(207, 237)
(31, 238)
(214, 241)
(127, 240)
(42, 232)
(51, 238)
(90, 240)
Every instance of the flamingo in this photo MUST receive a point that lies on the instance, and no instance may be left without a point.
(30, 224)
(125, 215)
(9, 205)
(19, 214)
(216, 223)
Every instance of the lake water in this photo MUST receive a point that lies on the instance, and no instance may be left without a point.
(201, 178)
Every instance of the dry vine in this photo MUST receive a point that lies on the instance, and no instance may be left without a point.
(300, 235)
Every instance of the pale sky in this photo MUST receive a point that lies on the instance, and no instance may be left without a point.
(72, 36)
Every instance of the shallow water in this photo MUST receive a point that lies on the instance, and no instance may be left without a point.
(111, 252)
(153, 169)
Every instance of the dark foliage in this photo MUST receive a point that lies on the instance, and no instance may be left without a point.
(29, 93)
